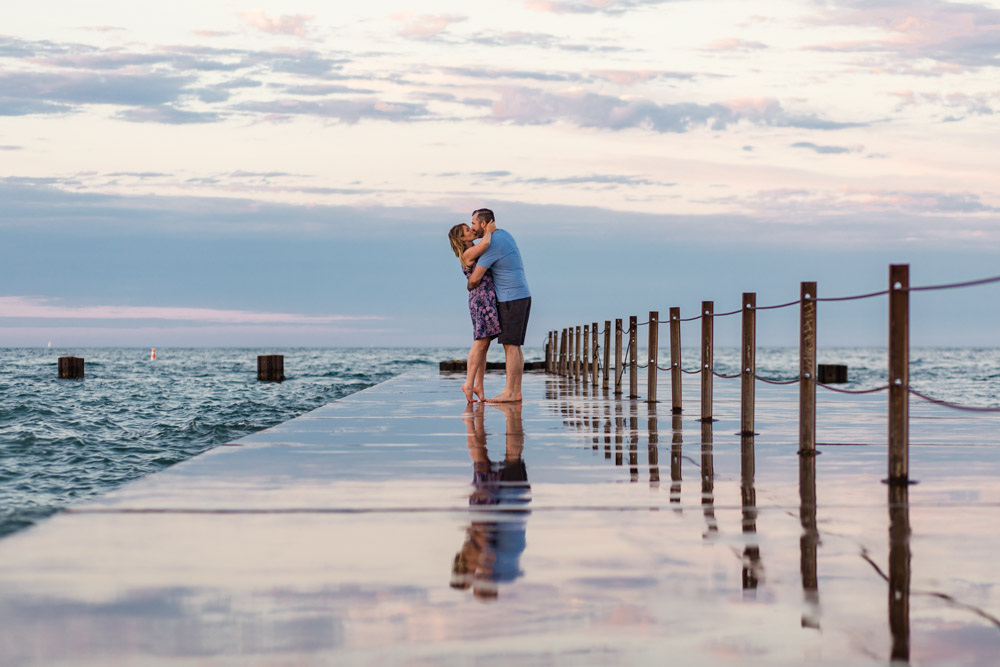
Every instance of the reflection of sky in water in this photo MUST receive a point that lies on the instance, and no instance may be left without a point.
(647, 536)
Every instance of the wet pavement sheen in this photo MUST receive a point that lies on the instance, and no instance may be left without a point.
(399, 526)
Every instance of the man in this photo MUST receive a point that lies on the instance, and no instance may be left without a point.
(513, 298)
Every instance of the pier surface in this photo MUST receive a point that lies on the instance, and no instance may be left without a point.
(396, 526)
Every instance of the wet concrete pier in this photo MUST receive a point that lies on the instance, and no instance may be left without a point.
(398, 526)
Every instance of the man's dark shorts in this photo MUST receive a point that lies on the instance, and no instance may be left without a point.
(513, 320)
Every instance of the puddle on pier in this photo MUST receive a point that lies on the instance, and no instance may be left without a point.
(573, 528)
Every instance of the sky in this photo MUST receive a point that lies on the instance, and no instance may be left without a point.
(284, 174)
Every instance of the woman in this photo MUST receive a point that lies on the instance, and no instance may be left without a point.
(482, 305)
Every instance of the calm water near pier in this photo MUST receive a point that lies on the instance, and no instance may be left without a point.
(62, 441)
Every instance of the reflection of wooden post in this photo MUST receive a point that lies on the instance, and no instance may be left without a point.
(676, 443)
(654, 333)
(633, 363)
(807, 369)
(899, 373)
(548, 355)
(675, 359)
(707, 358)
(71, 367)
(573, 353)
(271, 367)
(633, 444)
(594, 365)
(607, 354)
(809, 541)
(749, 361)
(899, 571)
(585, 356)
(708, 478)
(751, 552)
(618, 357)
(619, 427)
(654, 449)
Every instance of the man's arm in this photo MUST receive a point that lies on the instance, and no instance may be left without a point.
(476, 277)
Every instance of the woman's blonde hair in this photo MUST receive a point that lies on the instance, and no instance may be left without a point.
(457, 244)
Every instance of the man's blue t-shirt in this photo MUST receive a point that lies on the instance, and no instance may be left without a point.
(508, 271)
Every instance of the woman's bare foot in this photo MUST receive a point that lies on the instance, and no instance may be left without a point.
(480, 392)
(505, 398)
(468, 393)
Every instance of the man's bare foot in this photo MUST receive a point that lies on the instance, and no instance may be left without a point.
(468, 393)
(505, 398)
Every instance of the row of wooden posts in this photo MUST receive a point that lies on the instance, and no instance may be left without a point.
(270, 367)
(575, 354)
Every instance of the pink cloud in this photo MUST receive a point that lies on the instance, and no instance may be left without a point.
(425, 26)
(285, 25)
(45, 308)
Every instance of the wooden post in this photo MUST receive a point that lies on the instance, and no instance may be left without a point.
(675, 360)
(553, 347)
(573, 353)
(607, 354)
(652, 354)
(899, 373)
(594, 365)
(576, 355)
(633, 350)
(807, 369)
(562, 353)
(71, 367)
(707, 358)
(271, 367)
(585, 369)
(618, 357)
(749, 362)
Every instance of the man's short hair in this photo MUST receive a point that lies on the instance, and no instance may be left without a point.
(483, 215)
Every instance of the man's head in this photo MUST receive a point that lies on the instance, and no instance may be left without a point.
(480, 218)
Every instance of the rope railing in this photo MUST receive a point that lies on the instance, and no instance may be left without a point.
(898, 388)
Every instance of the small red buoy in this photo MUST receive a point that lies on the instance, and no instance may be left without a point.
(152, 355)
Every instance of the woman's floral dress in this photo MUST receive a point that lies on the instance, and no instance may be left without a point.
(483, 306)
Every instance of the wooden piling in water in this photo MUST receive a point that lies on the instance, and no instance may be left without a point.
(271, 367)
(607, 354)
(594, 365)
(707, 358)
(71, 368)
(675, 360)
(633, 352)
(652, 354)
(899, 373)
(585, 356)
(748, 364)
(807, 369)
(618, 357)
(576, 356)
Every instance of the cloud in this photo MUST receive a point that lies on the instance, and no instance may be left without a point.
(524, 106)
(294, 25)
(425, 26)
(345, 111)
(735, 44)
(493, 73)
(827, 150)
(632, 77)
(13, 107)
(958, 35)
(92, 88)
(325, 89)
(979, 104)
(167, 115)
(538, 40)
(22, 307)
(610, 7)
(11, 148)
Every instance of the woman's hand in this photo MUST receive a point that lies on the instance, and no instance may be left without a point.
(491, 227)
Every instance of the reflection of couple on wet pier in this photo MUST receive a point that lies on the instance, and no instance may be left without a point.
(494, 542)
